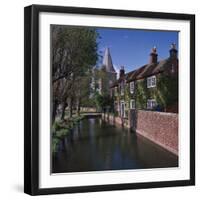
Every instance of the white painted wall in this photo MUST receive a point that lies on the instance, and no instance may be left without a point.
(11, 100)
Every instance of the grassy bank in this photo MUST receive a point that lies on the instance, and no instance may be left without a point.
(60, 129)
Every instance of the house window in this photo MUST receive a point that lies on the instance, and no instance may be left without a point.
(112, 92)
(173, 68)
(115, 91)
(151, 81)
(122, 109)
(132, 85)
(122, 88)
(132, 104)
(116, 106)
(151, 103)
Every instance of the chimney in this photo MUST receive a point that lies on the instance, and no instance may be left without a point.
(122, 72)
(153, 56)
(173, 51)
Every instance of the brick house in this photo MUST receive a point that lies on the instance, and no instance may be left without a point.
(153, 86)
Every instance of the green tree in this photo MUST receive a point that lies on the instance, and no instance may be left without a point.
(74, 53)
(103, 102)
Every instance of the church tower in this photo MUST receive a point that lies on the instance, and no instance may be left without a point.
(107, 61)
(108, 74)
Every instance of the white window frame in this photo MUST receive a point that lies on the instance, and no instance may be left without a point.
(122, 88)
(151, 81)
(131, 104)
(116, 106)
(173, 68)
(151, 103)
(124, 113)
(132, 87)
(116, 92)
(125, 109)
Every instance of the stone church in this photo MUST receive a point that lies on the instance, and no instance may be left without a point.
(104, 76)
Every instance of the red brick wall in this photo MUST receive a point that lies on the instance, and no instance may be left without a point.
(160, 127)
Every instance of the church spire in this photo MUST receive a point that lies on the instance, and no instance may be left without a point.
(107, 61)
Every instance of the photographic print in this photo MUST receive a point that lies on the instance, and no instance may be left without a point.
(109, 99)
(114, 99)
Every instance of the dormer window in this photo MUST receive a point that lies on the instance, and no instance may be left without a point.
(132, 86)
(151, 81)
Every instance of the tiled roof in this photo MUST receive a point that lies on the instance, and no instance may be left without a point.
(116, 82)
(145, 71)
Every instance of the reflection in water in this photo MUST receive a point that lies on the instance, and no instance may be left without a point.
(95, 145)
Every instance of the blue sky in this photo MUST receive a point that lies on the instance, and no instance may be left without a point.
(131, 48)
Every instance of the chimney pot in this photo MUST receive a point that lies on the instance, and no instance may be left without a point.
(173, 51)
(121, 72)
(153, 56)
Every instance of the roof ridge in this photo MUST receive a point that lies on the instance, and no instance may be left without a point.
(166, 59)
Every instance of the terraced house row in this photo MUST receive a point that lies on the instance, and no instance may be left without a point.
(153, 86)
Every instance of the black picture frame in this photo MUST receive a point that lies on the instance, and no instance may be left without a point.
(31, 98)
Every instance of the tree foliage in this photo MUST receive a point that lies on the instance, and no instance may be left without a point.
(74, 53)
(104, 101)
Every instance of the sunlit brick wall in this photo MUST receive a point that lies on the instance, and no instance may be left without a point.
(160, 127)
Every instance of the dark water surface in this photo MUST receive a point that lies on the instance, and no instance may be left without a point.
(95, 145)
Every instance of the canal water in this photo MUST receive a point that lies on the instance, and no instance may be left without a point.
(96, 145)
